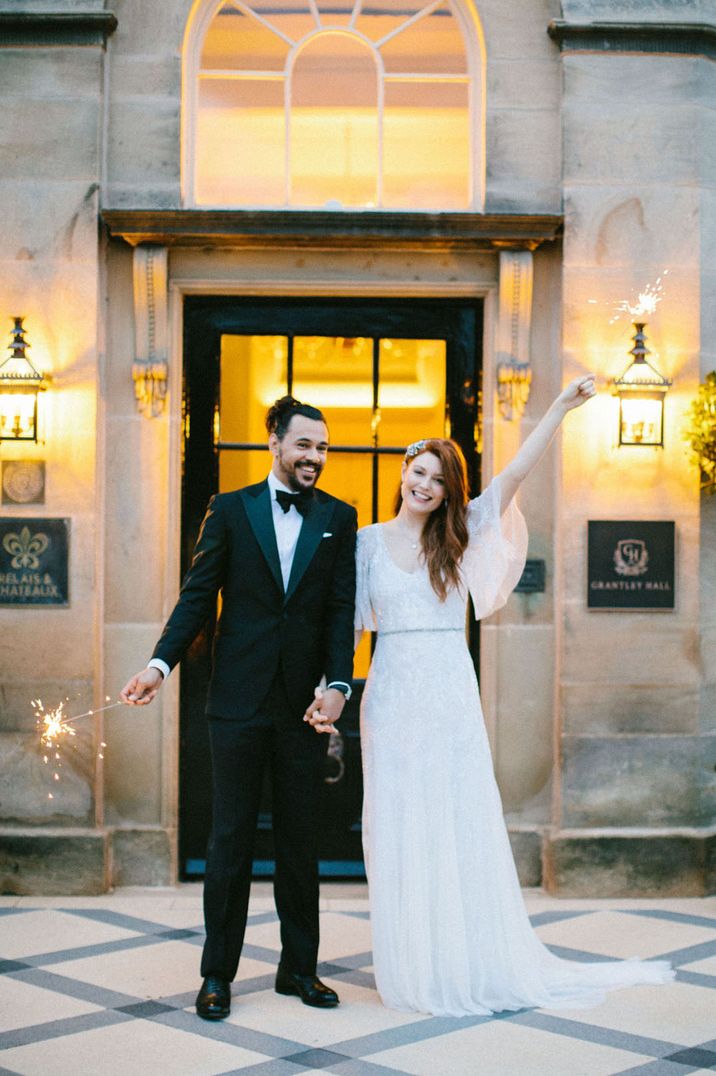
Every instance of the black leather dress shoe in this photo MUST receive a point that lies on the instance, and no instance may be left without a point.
(213, 1001)
(308, 988)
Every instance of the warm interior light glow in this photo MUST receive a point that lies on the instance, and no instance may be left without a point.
(17, 415)
(641, 419)
(366, 114)
(333, 126)
(335, 374)
(355, 395)
(640, 373)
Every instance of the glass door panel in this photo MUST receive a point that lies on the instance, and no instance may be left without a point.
(361, 659)
(411, 390)
(349, 476)
(252, 374)
(335, 373)
(389, 471)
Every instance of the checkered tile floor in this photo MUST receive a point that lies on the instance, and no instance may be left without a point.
(103, 986)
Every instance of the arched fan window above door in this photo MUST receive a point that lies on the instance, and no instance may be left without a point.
(334, 104)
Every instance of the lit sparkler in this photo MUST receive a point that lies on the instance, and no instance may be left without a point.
(91, 713)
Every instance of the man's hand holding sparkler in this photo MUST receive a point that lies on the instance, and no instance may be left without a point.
(142, 688)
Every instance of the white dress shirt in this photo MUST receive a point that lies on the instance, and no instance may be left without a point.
(287, 526)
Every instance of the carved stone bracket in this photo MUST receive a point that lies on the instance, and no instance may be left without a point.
(151, 329)
(514, 373)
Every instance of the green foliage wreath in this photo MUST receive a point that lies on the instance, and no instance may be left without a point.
(701, 432)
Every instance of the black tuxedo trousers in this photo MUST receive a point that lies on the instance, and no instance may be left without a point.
(275, 741)
(271, 647)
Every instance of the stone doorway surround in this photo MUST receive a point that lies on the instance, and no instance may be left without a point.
(245, 253)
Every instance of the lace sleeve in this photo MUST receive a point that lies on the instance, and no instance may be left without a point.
(364, 616)
(497, 549)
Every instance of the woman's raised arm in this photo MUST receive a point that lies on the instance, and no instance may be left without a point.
(574, 395)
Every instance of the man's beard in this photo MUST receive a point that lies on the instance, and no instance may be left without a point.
(293, 480)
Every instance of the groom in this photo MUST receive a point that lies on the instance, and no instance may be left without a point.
(281, 553)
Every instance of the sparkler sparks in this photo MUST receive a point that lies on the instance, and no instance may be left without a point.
(53, 724)
(54, 727)
(645, 303)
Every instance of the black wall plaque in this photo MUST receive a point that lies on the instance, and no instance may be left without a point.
(34, 555)
(630, 565)
(533, 578)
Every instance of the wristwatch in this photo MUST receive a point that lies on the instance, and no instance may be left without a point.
(339, 685)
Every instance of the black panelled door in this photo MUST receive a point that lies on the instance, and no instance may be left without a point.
(409, 354)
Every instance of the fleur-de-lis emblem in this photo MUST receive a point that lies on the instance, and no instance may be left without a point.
(25, 548)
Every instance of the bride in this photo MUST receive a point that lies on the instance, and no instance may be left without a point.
(450, 930)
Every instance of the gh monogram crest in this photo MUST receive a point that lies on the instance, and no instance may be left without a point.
(631, 557)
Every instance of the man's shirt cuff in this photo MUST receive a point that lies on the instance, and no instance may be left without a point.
(157, 663)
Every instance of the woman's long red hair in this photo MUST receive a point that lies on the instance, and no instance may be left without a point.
(445, 533)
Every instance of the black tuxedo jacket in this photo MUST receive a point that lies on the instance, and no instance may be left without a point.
(262, 631)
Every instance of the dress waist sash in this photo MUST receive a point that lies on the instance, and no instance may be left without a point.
(414, 631)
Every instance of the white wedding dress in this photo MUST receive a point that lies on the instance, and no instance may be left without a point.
(450, 929)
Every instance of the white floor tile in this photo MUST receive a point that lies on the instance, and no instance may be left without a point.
(678, 1012)
(505, 1049)
(45, 930)
(616, 934)
(359, 1013)
(23, 1004)
(154, 971)
(704, 967)
(341, 935)
(132, 1048)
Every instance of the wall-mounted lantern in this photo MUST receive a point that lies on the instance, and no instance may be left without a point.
(641, 390)
(20, 386)
(513, 387)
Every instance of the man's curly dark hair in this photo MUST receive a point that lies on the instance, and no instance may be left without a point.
(279, 415)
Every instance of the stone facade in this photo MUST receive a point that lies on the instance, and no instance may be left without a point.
(602, 723)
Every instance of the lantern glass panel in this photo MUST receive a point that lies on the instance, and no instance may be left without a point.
(641, 420)
(18, 414)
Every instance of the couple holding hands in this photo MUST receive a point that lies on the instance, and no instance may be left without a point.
(450, 930)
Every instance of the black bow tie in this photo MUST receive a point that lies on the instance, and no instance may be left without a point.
(301, 501)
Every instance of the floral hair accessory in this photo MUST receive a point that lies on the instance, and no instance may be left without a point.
(414, 449)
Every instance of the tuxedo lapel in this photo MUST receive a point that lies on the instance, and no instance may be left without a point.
(312, 531)
(257, 503)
